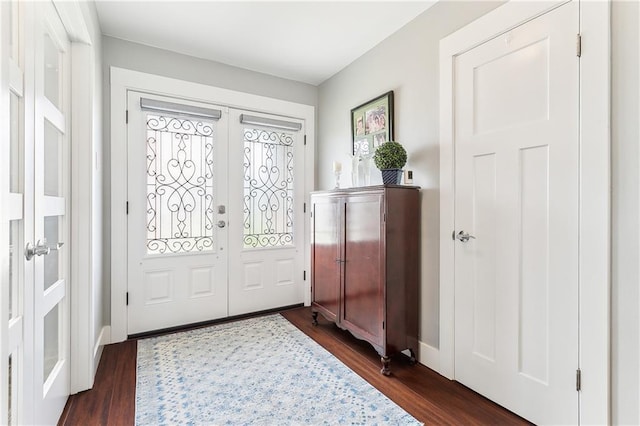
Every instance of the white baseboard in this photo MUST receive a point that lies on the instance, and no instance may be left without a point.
(430, 357)
(103, 339)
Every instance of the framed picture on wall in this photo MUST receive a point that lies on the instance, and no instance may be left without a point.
(372, 124)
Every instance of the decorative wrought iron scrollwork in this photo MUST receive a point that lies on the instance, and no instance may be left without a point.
(180, 195)
(268, 188)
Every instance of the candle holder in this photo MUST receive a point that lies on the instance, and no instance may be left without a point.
(355, 168)
(337, 168)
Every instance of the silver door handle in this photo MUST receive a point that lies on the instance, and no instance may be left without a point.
(463, 236)
(40, 249)
(221, 224)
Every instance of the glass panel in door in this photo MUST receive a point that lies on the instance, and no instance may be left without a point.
(51, 342)
(179, 190)
(15, 263)
(52, 159)
(52, 260)
(15, 144)
(268, 165)
(52, 71)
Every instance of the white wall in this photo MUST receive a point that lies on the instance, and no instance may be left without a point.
(407, 62)
(134, 56)
(625, 181)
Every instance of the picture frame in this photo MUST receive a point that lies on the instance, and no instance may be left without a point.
(372, 124)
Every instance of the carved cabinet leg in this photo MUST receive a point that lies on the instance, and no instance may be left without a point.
(315, 318)
(412, 359)
(385, 365)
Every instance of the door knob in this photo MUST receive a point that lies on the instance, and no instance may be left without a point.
(463, 236)
(40, 249)
(221, 224)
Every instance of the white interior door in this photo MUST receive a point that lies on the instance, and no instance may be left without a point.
(266, 225)
(177, 212)
(17, 219)
(36, 278)
(51, 223)
(516, 195)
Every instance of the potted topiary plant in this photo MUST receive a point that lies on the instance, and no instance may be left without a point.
(390, 158)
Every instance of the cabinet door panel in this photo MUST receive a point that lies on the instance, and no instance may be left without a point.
(326, 255)
(363, 290)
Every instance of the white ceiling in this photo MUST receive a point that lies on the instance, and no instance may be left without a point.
(307, 41)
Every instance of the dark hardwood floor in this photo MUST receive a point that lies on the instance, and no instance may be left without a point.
(425, 394)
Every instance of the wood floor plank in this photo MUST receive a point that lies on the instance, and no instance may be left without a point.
(423, 393)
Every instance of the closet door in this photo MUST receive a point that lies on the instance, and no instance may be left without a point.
(326, 253)
(363, 286)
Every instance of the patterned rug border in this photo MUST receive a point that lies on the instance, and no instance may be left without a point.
(172, 386)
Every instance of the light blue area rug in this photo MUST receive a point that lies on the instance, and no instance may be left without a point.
(261, 371)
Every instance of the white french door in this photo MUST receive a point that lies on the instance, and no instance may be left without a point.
(16, 316)
(36, 91)
(51, 223)
(516, 218)
(177, 212)
(266, 199)
(215, 212)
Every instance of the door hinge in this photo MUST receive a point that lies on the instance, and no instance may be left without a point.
(305, 139)
(384, 217)
(127, 298)
(304, 275)
(304, 207)
(579, 45)
(578, 380)
(383, 325)
(127, 117)
(127, 207)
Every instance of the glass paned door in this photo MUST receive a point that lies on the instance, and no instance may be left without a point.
(51, 223)
(266, 185)
(34, 187)
(177, 198)
(16, 219)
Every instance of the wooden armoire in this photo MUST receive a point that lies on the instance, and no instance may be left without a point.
(365, 270)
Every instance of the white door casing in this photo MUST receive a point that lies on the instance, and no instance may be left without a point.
(516, 192)
(123, 81)
(177, 193)
(266, 222)
(593, 220)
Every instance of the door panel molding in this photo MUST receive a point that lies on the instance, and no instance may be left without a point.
(123, 80)
(594, 192)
